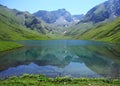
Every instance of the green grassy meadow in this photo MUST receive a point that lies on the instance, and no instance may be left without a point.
(5, 46)
(41, 80)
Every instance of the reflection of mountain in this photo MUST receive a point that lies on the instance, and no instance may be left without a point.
(100, 58)
(39, 55)
(103, 60)
(72, 70)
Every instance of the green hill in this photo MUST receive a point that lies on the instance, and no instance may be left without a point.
(5, 46)
(16, 25)
(109, 32)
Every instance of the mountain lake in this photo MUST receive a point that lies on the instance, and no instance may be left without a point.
(56, 58)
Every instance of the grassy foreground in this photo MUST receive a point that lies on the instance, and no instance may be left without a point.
(41, 80)
(5, 46)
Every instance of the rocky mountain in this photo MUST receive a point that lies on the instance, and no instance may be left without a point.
(60, 17)
(108, 10)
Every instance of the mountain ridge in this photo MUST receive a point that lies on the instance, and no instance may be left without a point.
(105, 11)
(55, 17)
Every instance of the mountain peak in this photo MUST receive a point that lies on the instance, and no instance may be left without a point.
(57, 17)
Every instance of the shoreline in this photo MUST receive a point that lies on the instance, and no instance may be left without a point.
(7, 46)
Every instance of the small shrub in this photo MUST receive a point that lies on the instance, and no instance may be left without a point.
(107, 80)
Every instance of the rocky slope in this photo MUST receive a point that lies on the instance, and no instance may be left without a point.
(106, 11)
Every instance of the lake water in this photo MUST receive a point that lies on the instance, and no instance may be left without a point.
(71, 58)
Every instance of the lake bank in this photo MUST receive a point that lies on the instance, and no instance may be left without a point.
(41, 80)
(6, 46)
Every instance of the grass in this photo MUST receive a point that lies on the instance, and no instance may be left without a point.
(5, 46)
(109, 32)
(78, 29)
(17, 32)
(41, 80)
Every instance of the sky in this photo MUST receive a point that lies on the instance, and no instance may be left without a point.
(73, 6)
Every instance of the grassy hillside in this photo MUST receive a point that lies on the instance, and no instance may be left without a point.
(109, 32)
(41, 80)
(12, 26)
(16, 32)
(17, 25)
(78, 28)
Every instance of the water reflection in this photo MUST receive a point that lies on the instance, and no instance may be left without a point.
(62, 58)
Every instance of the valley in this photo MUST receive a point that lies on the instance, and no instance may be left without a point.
(63, 46)
(99, 24)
